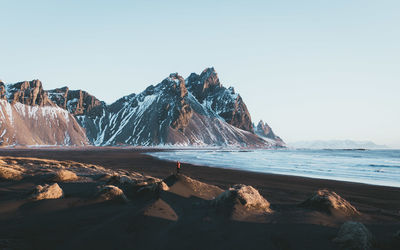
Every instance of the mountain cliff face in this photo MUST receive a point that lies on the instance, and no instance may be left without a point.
(207, 89)
(29, 117)
(22, 124)
(197, 110)
(77, 102)
(265, 131)
(29, 93)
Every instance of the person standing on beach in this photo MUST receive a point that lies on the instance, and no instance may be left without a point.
(178, 167)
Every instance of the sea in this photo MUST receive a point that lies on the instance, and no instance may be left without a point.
(378, 167)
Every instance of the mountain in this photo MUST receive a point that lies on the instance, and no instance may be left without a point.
(197, 110)
(29, 117)
(265, 131)
(337, 144)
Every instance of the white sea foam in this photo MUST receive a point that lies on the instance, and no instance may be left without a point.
(379, 167)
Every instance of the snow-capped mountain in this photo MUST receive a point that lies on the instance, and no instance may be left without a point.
(337, 144)
(28, 117)
(197, 110)
(265, 131)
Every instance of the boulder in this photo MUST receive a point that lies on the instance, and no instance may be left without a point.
(330, 202)
(355, 236)
(245, 197)
(64, 175)
(10, 174)
(47, 192)
(185, 186)
(110, 192)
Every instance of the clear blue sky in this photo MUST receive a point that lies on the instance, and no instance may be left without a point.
(311, 69)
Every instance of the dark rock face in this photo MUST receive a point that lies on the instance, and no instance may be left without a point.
(208, 90)
(264, 130)
(169, 113)
(77, 102)
(195, 111)
(29, 93)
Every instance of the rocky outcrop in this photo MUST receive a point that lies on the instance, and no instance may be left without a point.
(355, 236)
(110, 192)
(3, 95)
(241, 197)
(182, 112)
(64, 175)
(208, 90)
(77, 102)
(264, 130)
(185, 186)
(330, 202)
(29, 93)
(10, 174)
(47, 192)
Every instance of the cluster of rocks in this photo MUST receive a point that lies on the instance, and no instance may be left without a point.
(51, 172)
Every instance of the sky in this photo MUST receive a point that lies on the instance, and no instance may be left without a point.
(313, 70)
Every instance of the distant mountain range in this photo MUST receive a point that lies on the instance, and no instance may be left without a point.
(197, 111)
(337, 144)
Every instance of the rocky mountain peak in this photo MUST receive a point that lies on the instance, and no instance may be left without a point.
(29, 93)
(77, 102)
(174, 84)
(3, 95)
(203, 84)
(209, 78)
(207, 89)
(264, 130)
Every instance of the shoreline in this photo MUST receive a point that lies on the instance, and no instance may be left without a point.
(277, 174)
(138, 159)
(146, 151)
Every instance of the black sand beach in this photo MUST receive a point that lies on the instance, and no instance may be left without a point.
(174, 220)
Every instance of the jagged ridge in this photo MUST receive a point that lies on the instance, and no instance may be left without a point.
(198, 110)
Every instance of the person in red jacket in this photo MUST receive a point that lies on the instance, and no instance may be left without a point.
(178, 167)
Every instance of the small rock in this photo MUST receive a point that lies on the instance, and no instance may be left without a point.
(10, 174)
(64, 175)
(110, 192)
(47, 192)
(163, 186)
(355, 236)
(330, 202)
